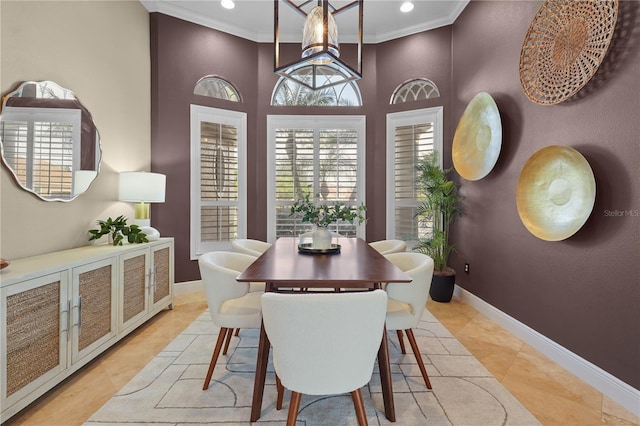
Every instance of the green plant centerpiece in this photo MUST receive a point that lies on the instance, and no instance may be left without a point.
(323, 214)
(441, 204)
(117, 230)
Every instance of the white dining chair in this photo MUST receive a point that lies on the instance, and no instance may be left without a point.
(254, 248)
(407, 302)
(389, 246)
(250, 246)
(324, 344)
(231, 305)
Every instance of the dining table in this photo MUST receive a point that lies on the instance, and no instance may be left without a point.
(350, 264)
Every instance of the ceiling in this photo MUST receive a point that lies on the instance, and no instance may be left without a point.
(253, 19)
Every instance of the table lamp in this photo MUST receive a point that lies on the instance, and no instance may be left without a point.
(143, 188)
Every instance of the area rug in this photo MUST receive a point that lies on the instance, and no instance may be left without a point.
(168, 391)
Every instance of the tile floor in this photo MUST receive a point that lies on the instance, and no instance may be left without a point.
(554, 396)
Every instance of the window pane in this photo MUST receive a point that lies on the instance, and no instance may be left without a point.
(289, 92)
(218, 223)
(411, 143)
(322, 162)
(218, 162)
(216, 87)
(338, 165)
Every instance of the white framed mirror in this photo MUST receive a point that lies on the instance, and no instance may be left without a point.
(48, 141)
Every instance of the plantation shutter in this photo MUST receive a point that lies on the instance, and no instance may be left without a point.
(411, 143)
(218, 178)
(319, 160)
(218, 182)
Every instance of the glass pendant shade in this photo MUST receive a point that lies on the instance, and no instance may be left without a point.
(313, 36)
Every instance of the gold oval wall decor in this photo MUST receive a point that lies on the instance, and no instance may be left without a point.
(564, 46)
(556, 193)
(478, 138)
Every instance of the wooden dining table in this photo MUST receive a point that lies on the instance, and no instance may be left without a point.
(357, 266)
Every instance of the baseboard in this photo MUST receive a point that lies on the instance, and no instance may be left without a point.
(619, 391)
(187, 287)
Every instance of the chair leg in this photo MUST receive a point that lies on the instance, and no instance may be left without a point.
(401, 340)
(358, 403)
(416, 352)
(214, 357)
(226, 343)
(237, 331)
(280, 389)
(294, 405)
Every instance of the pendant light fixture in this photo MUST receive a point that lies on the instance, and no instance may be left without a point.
(313, 35)
(320, 55)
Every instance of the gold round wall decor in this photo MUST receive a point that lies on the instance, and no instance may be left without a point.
(556, 193)
(478, 138)
(566, 42)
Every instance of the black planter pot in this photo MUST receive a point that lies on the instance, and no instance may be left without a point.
(442, 287)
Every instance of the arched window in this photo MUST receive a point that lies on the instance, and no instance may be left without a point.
(414, 90)
(217, 87)
(288, 92)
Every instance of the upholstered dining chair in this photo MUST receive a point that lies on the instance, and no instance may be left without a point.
(254, 248)
(249, 246)
(407, 302)
(389, 246)
(324, 343)
(231, 305)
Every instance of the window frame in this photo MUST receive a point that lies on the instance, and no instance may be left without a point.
(198, 114)
(316, 122)
(406, 118)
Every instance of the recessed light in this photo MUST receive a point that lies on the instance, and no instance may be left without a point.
(228, 4)
(407, 6)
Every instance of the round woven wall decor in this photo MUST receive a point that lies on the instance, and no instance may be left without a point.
(566, 42)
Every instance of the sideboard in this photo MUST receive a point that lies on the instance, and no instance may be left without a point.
(60, 310)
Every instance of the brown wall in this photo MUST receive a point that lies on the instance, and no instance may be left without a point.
(182, 52)
(583, 292)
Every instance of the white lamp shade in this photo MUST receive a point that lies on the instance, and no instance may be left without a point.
(142, 187)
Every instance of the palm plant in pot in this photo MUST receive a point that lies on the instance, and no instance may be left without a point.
(441, 204)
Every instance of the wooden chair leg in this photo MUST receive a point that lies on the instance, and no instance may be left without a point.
(416, 352)
(226, 343)
(294, 405)
(237, 331)
(280, 389)
(358, 403)
(401, 340)
(214, 357)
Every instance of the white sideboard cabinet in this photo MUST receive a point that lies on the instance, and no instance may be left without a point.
(60, 310)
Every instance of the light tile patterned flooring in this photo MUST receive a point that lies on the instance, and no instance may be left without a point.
(554, 396)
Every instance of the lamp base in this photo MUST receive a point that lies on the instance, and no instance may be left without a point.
(142, 222)
(152, 233)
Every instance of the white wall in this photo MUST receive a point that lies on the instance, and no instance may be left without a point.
(100, 51)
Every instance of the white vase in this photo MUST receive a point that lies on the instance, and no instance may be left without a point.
(321, 238)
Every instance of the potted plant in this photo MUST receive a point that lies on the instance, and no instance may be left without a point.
(117, 230)
(441, 205)
(322, 215)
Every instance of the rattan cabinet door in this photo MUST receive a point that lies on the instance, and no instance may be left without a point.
(134, 288)
(94, 308)
(33, 336)
(161, 276)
